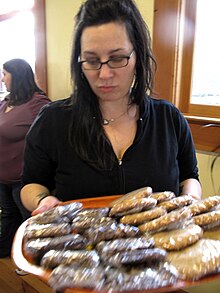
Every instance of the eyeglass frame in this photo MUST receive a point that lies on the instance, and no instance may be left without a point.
(107, 62)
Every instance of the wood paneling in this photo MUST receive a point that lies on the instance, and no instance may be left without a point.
(165, 36)
(40, 44)
(206, 134)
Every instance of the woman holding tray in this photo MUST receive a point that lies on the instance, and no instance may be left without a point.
(111, 136)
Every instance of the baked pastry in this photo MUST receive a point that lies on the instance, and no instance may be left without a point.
(94, 212)
(138, 193)
(70, 277)
(80, 224)
(163, 195)
(108, 248)
(136, 256)
(141, 278)
(59, 214)
(47, 230)
(132, 206)
(111, 279)
(172, 220)
(83, 258)
(36, 248)
(197, 260)
(179, 238)
(208, 220)
(177, 202)
(204, 205)
(99, 233)
(143, 217)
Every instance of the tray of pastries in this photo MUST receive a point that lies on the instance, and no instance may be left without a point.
(142, 241)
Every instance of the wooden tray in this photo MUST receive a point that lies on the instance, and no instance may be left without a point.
(25, 264)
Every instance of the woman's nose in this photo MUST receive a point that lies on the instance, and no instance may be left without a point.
(105, 71)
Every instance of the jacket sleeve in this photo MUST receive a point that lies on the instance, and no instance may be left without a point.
(186, 150)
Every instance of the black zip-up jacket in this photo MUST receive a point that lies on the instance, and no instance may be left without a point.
(161, 156)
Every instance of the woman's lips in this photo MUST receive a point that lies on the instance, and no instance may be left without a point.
(106, 89)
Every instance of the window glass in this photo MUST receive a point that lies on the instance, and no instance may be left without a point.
(206, 60)
(14, 5)
(17, 34)
(17, 38)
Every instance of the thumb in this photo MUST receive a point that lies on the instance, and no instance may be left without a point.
(39, 210)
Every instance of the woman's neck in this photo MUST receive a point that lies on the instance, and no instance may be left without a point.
(121, 114)
(113, 109)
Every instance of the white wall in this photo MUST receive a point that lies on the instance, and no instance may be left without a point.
(204, 162)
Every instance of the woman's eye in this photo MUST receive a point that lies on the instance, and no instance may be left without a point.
(117, 59)
(92, 61)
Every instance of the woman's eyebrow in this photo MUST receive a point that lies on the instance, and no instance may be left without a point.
(110, 52)
(89, 52)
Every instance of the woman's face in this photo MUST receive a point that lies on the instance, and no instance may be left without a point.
(7, 77)
(100, 43)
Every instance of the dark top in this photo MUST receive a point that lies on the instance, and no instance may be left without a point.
(161, 156)
(14, 126)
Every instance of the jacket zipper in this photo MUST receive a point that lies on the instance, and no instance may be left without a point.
(121, 176)
(119, 162)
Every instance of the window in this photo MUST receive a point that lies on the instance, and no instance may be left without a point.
(178, 49)
(22, 30)
(18, 33)
(206, 58)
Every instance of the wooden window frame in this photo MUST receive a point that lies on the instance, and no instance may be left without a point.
(40, 41)
(173, 39)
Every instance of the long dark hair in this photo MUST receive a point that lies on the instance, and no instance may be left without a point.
(86, 131)
(23, 84)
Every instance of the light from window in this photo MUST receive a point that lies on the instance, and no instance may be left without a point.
(206, 60)
(17, 38)
(17, 34)
(15, 5)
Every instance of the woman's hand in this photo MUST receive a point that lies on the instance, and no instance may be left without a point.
(45, 204)
(37, 198)
(191, 186)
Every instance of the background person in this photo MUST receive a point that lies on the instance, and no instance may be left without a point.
(110, 137)
(17, 112)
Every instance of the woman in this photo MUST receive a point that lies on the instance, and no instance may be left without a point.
(17, 112)
(110, 137)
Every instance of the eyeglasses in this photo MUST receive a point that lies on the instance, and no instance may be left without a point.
(116, 62)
